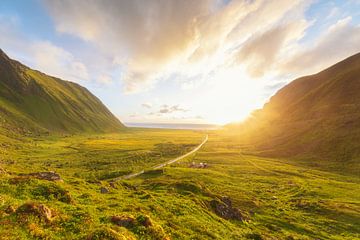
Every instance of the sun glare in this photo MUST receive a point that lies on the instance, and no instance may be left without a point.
(233, 95)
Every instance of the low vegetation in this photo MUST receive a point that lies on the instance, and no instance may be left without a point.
(237, 196)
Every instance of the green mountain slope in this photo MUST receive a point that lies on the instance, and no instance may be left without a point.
(317, 115)
(31, 101)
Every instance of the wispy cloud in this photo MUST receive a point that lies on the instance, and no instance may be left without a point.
(146, 105)
(340, 41)
(40, 54)
(166, 109)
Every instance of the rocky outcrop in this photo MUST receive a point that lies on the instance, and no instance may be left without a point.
(49, 176)
(123, 221)
(223, 208)
(104, 190)
(40, 210)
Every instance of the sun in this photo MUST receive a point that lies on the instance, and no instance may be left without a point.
(232, 96)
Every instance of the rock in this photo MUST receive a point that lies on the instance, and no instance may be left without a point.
(10, 209)
(123, 221)
(49, 176)
(104, 190)
(226, 200)
(39, 210)
(225, 210)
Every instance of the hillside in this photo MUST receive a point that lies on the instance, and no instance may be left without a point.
(313, 116)
(31, 101)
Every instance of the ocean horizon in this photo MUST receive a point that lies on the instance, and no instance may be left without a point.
(191, 126)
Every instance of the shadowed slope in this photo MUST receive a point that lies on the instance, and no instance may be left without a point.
(316, 115)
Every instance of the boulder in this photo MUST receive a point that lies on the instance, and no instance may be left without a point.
(39, 210)
(49, 176)
(225, 210)
(123, 221)
(104, 190)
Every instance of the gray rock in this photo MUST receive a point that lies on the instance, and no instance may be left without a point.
(225, 210)
(123, 221)
(50, 176)
(104, 190)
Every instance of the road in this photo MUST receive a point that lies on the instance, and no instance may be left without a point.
(132, 175)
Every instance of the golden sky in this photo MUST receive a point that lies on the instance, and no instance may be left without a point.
(181, 61)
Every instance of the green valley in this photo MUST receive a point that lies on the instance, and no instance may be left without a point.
(291, 171)
(276, 198)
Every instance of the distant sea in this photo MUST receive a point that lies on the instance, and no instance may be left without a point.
(174, 126)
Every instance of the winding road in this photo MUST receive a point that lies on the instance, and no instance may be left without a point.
(132, 175)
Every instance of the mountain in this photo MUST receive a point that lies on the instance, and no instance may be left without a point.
(315, 116)
(31, 101)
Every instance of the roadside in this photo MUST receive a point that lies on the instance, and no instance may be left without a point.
(132, 175)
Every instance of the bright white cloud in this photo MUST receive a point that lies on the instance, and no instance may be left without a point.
(260, 52)
(57, 62)
(340, 41)
(152, 40)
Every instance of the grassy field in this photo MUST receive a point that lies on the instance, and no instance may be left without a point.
(276, 198)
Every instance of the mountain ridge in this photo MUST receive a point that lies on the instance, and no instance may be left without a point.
(313, 116)
(34, 101)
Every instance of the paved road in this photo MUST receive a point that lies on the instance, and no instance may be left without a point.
(132, 175)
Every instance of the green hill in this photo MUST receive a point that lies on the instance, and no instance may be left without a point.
(314, 116)
(33, 102)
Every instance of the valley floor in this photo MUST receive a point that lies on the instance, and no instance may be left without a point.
(216, 193)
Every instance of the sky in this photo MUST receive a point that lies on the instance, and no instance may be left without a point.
(172, 61)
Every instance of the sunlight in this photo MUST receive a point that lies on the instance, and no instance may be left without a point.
(232, 96)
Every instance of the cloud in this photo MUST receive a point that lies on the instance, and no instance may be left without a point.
(152, 40)
(104, 79)
(57, 62)
(148, 35)
(340, 41)
(166, 109)
(134, 115)
(146, 105)
(41, 55)
(260, 52)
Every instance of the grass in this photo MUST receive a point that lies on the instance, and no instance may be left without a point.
(31, 101)
(279, 198)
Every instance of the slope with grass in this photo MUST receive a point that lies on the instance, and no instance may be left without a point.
(237, 196)
(313, 116)
(31, 101)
